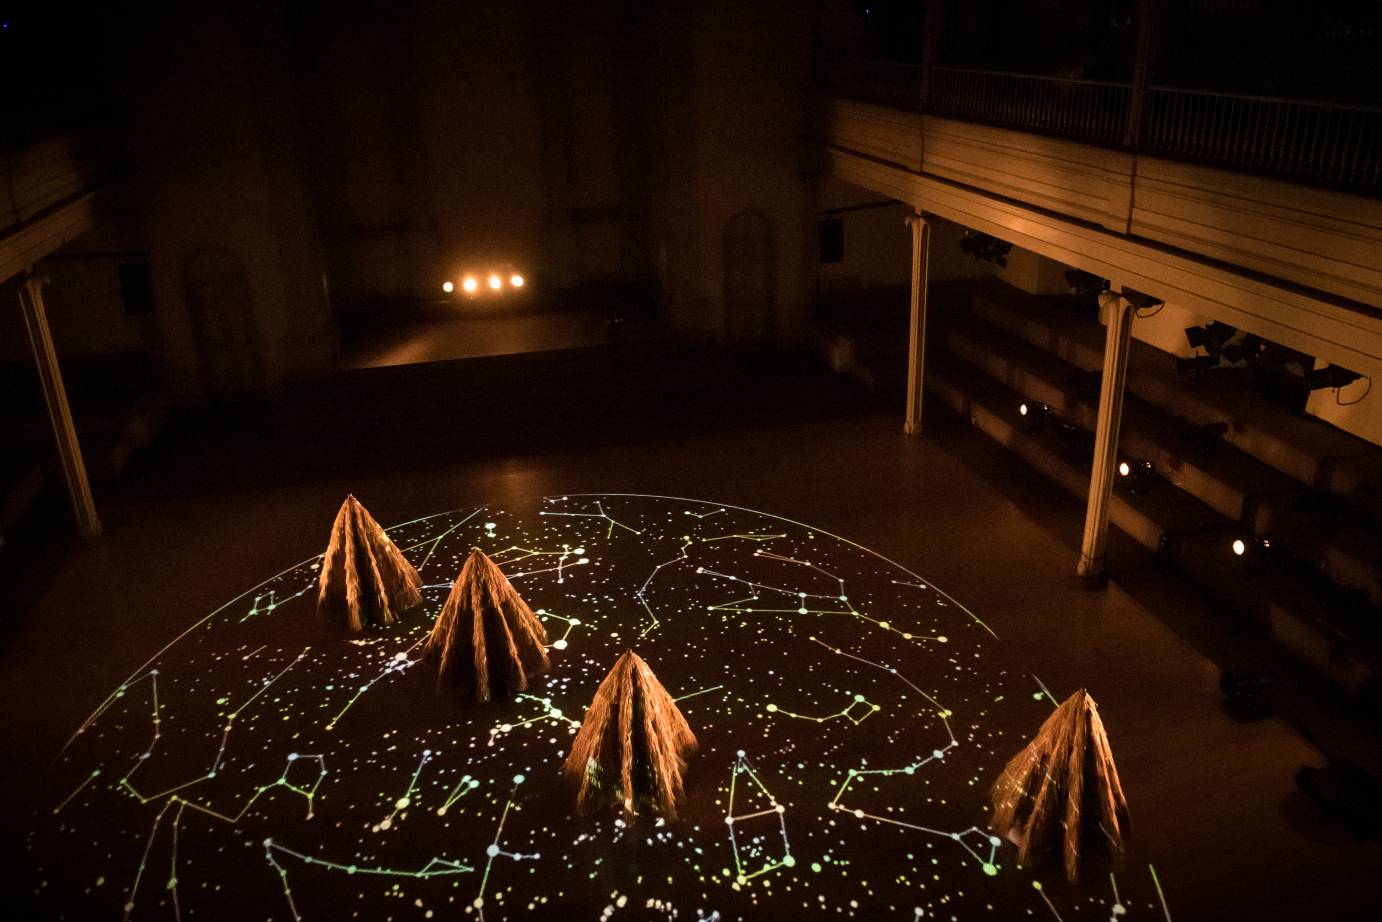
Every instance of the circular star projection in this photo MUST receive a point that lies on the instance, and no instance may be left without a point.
(851, 717)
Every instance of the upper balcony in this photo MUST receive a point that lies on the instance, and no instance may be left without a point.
(1332, 145)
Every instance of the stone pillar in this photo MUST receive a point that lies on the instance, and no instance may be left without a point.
(916, 347)
(59, 413)
(1118, 313)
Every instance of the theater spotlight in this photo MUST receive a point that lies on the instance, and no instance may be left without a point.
(470, 284)
(1247, 693)
(516, 280)
(1239, 547)
(1140, 475)
(495, 282)
(1330, 376)
(1033, 414)
(1210, 338)
(448, 286)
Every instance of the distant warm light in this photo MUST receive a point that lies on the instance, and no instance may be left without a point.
(470, 284)
(496, 282)
(1239, 547)
(516, 280)
(1022, 409)
(448, 286)
(1124, 469)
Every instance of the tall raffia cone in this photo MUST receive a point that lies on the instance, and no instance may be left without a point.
(633, 744)
(1064, 786)
(486, 635)
(365, 578)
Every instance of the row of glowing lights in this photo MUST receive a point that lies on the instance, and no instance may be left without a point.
(470, 284)
(1239, 546)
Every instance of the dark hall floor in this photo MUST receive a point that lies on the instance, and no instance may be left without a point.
(238, 494)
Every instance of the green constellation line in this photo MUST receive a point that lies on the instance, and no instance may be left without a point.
(598, 514)
(656, 623)
(95, 773)
(438, 539)
(399, 663)
(462, 788)
(1117, 910)
(140, 671)
(869, 709)
(942, 712)
(553, 713)
(406, 801)
(855, 774)
(494, 851)
(183, 804)
(274, 601)
(561, 555)
(560, 642)
(641, 593)
(741, 876)
(435, 867)
(126, 784)
(988, 865)
(703, 691)
(802, 608)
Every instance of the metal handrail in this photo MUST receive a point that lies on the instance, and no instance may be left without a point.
(1303, 140)
(1320, 103)
(1034, 77)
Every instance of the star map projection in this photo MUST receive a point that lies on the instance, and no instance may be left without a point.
(851, 717)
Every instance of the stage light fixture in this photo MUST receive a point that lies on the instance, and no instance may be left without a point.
(516, 280)
(1124, 469)
(1330, 376)
(448, 286)
(1247, 693)
(1239, 547)
(470, 284)
(495, 282)
(1196, 362)
(1022, 409)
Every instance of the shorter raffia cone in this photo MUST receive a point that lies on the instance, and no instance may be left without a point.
(1063, 790)
(633, 744)
(486, 636)
(364, 579)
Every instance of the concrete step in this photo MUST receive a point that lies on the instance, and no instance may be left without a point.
(1062, 453)
(1219, 475)
(1338, 637)
(1304, 448)
(1343, 546)
(1288, 600)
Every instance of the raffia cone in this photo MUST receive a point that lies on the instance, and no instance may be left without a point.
(364, 579)
(486, 636)
(633, 744)
(1063, 789)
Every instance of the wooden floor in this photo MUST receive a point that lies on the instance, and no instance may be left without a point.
(1213, 801)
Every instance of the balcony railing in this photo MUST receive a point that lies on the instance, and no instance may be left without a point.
(1091, 110)
(1326, 143)
(1329, 144)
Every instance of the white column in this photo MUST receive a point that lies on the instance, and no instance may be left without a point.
(59, 413)
(1118, 315)
(916, 348)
